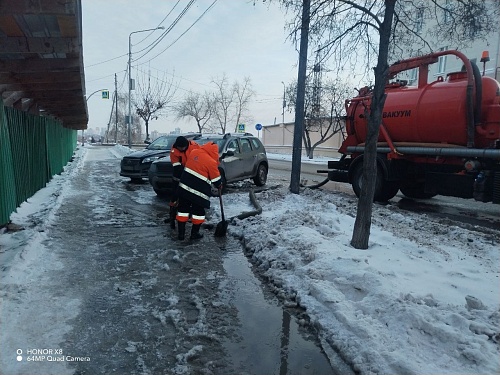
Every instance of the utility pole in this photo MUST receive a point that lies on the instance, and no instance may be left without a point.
(301, 93)
(283, 116)
(316, 100)
(115, 99)
(284, 104)
(116, 110)
(110, 117)
(130, 78)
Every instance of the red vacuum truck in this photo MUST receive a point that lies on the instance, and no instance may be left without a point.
(437, 138)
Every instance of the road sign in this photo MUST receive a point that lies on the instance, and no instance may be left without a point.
(105, 94)
(241, 128)
(258, 127)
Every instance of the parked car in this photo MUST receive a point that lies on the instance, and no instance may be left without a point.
(136, 164)
(242, 156)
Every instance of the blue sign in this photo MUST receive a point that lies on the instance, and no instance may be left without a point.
(258, 126)
(241, 128)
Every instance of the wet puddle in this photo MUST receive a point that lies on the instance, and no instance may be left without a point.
(268, 339)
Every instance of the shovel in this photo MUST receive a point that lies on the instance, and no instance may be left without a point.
(221, 229)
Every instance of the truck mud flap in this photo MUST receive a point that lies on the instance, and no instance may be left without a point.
(450, 184)
(338, 176)
(496, 188)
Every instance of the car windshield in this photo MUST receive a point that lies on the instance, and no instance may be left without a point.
(162, 143)
(220, 142)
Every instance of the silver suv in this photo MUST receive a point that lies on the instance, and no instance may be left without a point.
(242, 156)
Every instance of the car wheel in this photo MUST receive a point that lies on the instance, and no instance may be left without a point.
(261, 176)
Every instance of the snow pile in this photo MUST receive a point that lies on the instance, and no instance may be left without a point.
(424, 298)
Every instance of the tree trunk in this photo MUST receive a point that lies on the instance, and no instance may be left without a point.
(307, 142)
(362, 224)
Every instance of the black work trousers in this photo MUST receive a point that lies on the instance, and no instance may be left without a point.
(187, 208)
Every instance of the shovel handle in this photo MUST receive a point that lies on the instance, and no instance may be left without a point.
(221, 206)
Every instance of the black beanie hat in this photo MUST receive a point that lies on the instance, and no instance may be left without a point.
(181, 142)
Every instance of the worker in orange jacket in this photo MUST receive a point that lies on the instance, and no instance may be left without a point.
(195, 188)
(179, 153)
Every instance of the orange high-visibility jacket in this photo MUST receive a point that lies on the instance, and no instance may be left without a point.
(178, 158)
(200, 172)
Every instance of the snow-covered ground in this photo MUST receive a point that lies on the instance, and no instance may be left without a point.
(423, 299)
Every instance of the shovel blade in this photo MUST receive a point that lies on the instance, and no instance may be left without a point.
(221, 229)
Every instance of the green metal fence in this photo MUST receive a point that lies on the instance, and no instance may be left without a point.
(32, 150)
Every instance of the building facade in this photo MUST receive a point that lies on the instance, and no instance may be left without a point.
(278, 138)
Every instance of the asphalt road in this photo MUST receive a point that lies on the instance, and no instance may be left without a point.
(468, 213)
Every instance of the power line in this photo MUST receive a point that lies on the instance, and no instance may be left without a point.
(164, 34)
(98, 79)
(164, 18)
(118, 57)
(175, 41)
(102, 62)
(264, 98)
(158, 40)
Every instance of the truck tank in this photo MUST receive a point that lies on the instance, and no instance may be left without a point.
(436, 138)
(433, 113)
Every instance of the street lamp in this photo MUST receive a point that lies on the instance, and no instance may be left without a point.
(283, 113)
(130, 77)
(86, 100)
(284, 104)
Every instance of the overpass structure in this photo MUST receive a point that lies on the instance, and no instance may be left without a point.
(42, 95)
(41, 59)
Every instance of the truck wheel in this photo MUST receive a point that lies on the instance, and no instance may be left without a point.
(389, 191)
(357, 179)
(261, 176)
(384, 190)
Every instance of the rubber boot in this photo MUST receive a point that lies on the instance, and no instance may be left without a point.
(172, 214)
(182, 230)
(195, 232)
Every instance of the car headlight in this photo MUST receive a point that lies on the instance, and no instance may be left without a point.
(150, 159)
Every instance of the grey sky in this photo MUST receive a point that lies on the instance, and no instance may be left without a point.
(234, 37)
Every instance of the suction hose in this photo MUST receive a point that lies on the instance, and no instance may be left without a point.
(317, 185)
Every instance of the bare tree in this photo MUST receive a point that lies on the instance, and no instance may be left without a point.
(223, 99)
(367, 32)
(324, 114)
(197, 106)
(244, 94)
(153, 99)
(230, 101)
(119, 130)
